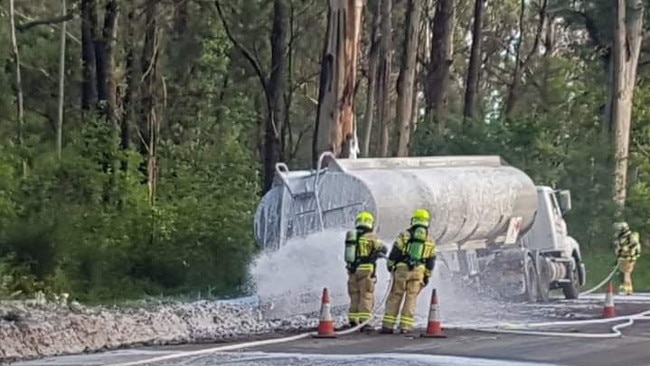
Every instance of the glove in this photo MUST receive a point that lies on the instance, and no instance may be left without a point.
(426, 281)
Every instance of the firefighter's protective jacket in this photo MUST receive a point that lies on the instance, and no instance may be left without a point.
(368, 249)
(399, 257)
(628, 246)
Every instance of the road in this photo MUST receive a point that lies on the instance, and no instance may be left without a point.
(461, 347)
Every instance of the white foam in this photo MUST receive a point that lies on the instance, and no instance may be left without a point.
(305, 266)
(274, 358)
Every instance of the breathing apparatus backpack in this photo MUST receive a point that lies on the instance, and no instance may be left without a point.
(351, 243)
(415, 246)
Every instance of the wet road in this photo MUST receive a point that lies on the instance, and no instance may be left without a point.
(461, 347)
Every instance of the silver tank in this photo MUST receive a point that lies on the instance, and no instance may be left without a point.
(470, 198)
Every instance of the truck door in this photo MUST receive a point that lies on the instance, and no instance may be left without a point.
(558, 224)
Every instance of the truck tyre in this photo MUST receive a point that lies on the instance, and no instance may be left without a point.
(571, 290)
(543, 280)
(530, 274)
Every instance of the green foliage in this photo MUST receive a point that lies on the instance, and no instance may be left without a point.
(85, 224)
(89, 230)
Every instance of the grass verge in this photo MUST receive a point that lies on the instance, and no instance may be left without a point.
(599, 263)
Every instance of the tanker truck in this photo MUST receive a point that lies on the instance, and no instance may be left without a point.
(491, 223)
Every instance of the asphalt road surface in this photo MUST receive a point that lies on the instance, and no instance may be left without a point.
(461, 347)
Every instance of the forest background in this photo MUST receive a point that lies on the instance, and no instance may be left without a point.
(136, 137)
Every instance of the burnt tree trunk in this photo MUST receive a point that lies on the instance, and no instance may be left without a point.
(439, 66)
(273, 149)
(88, 35)
(384, 84)
(129, 92)
(104, 60)
(474, 68)
(334, 130)
(406, 79)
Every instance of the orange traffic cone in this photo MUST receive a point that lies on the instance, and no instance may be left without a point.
(608, 310)
(434, 329)
(326, 324)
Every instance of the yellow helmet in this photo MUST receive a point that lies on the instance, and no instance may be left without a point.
(365, 219)
(420, 217)
(621, 227)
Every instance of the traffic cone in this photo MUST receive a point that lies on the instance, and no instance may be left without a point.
(326, 324)
(608, 310)
(434, 329)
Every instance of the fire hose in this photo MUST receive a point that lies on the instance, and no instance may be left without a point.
(615, 330)
(601, 284)
(511, 329)
(376, 310)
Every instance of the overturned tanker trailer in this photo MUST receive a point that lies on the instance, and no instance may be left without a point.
(490, 221)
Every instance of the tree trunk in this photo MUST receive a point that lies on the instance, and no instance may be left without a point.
(371, 93)
(180, 17)
(18, 83)
(522, 62)
(440, 63)
(628, 35)
(105, 59)
(88, 34)
(406, 79)
(273, 149)
(59, 124)
(334, 129)
(149, 62)
(474, 68)
(384, 85)
(129, 92)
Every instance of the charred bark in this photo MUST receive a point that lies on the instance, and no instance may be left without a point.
(440, 61)
(273, 149)
(384, 84)
(104, 60)
(129, 92)
(88, 35)
(406, 79)
(474, 68)
(334, 129)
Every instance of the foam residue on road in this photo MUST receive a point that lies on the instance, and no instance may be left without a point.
(291, 280)
(32, 330)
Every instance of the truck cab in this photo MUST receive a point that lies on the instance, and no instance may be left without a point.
(551, 258)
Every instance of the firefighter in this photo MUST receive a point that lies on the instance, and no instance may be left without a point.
(410, 262)
(628, 249)
(362, 249)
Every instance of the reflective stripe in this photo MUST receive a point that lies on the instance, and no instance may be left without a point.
(365, 246)
(402, 264)
(406, 320)
(389, 319)
(366, 267)
(353, 316)
(364, 316)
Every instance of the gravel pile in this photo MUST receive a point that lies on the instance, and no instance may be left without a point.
(38, 329)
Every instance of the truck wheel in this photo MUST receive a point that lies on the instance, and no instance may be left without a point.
(571, 289)
(543, 280)
(532, 280)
